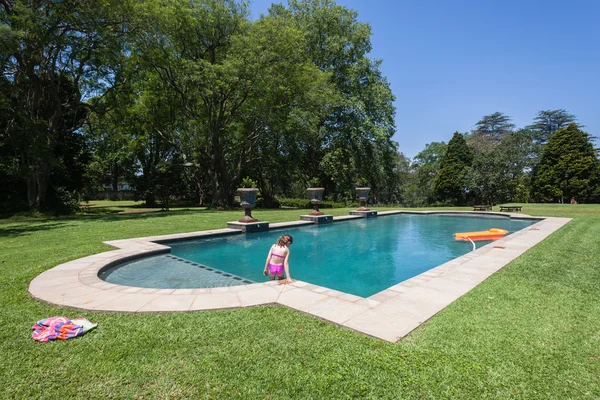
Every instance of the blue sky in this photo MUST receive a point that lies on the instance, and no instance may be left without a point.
(451, 62)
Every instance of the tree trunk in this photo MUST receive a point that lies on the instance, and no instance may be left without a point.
(31, 189)
(115, 177)
(199, 193)
(222, 196)
(268, 199)
(266, 191)
(43, 176)
(150, 200)
(37, 186)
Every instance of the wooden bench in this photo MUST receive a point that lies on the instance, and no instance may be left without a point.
(511, 208)
(482, 208)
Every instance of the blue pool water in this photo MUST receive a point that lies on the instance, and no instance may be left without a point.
(361, 257)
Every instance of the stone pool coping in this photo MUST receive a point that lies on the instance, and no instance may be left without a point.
(389, 315)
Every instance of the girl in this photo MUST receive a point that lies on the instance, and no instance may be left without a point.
(280, 254)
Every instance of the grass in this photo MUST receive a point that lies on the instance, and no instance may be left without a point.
(530, 331)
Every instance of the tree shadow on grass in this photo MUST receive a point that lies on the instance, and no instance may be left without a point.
(17, 228)
(27, 228)
(11, 229)
(115, 216)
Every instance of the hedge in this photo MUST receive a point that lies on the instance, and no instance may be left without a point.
(305, 203)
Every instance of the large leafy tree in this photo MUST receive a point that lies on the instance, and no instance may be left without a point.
(357, 134)
(487, 178)
(281, 122)
(247, 90)
(53, 55)
(155, 86)
(198, 50)
(450, 183)
(425, 168)
(135, 131)
(502, 173)
(112, 159)
(568, 168)
(153, 125)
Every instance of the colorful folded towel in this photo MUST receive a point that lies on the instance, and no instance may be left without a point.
(60, 328)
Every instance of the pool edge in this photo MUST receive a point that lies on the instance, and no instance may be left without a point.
(389, 315)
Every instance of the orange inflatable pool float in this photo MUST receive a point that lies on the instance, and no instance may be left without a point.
(491, 234)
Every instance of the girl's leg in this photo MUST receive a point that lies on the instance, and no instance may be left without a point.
(280, 276)
(271, 276)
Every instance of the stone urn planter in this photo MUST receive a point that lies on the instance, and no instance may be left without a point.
(363, 196)
(247, 201)
(316, 195)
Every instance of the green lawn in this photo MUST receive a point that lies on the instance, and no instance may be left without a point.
(530, 331)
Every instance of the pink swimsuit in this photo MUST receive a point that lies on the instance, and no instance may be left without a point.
(276, 269)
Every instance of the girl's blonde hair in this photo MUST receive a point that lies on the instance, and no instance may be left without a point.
(284, 240)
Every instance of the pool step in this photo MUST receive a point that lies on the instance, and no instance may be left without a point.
(210, 269)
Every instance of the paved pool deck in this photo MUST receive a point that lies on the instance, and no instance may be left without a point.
(389, 315)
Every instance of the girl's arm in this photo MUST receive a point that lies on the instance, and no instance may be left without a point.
(286, 265)
(268, 259)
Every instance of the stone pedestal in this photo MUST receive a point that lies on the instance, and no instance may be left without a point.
(366, 214)
(316, 212)
(249, 227)
(247, 201)
(247, 219)
(316, 195)
(363, 196)
(317, 219)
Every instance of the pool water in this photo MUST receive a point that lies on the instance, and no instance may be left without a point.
(361, 257)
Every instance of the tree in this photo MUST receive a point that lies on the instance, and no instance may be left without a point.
(487, 179)
(244, 89)
(569, 168)
(199, 51)
(112, 159)
(502, 174)
(425, 167)
(282, 122)
(53, 54)
(489, 131)
(153, 86)
(356, 134)
(450, 183)
(495, 126)
(519, 150)
(547, 122)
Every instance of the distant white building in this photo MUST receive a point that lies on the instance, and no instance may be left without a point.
(123, 186)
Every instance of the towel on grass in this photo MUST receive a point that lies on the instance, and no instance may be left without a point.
(60, 328)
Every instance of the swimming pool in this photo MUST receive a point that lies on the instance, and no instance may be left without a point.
(361, 257)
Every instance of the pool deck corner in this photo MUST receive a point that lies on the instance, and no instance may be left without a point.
(389, 315)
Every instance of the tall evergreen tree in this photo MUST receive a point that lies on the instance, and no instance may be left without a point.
(547, 122)
(488, 132)
(494, 126)
(449, 184)
(569, 168)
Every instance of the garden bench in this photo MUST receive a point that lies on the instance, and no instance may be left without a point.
(482, 208)
(511, 208)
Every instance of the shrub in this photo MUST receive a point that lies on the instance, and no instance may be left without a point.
(63, 202)
(297, 203)
(305, 203)
(248, 183)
